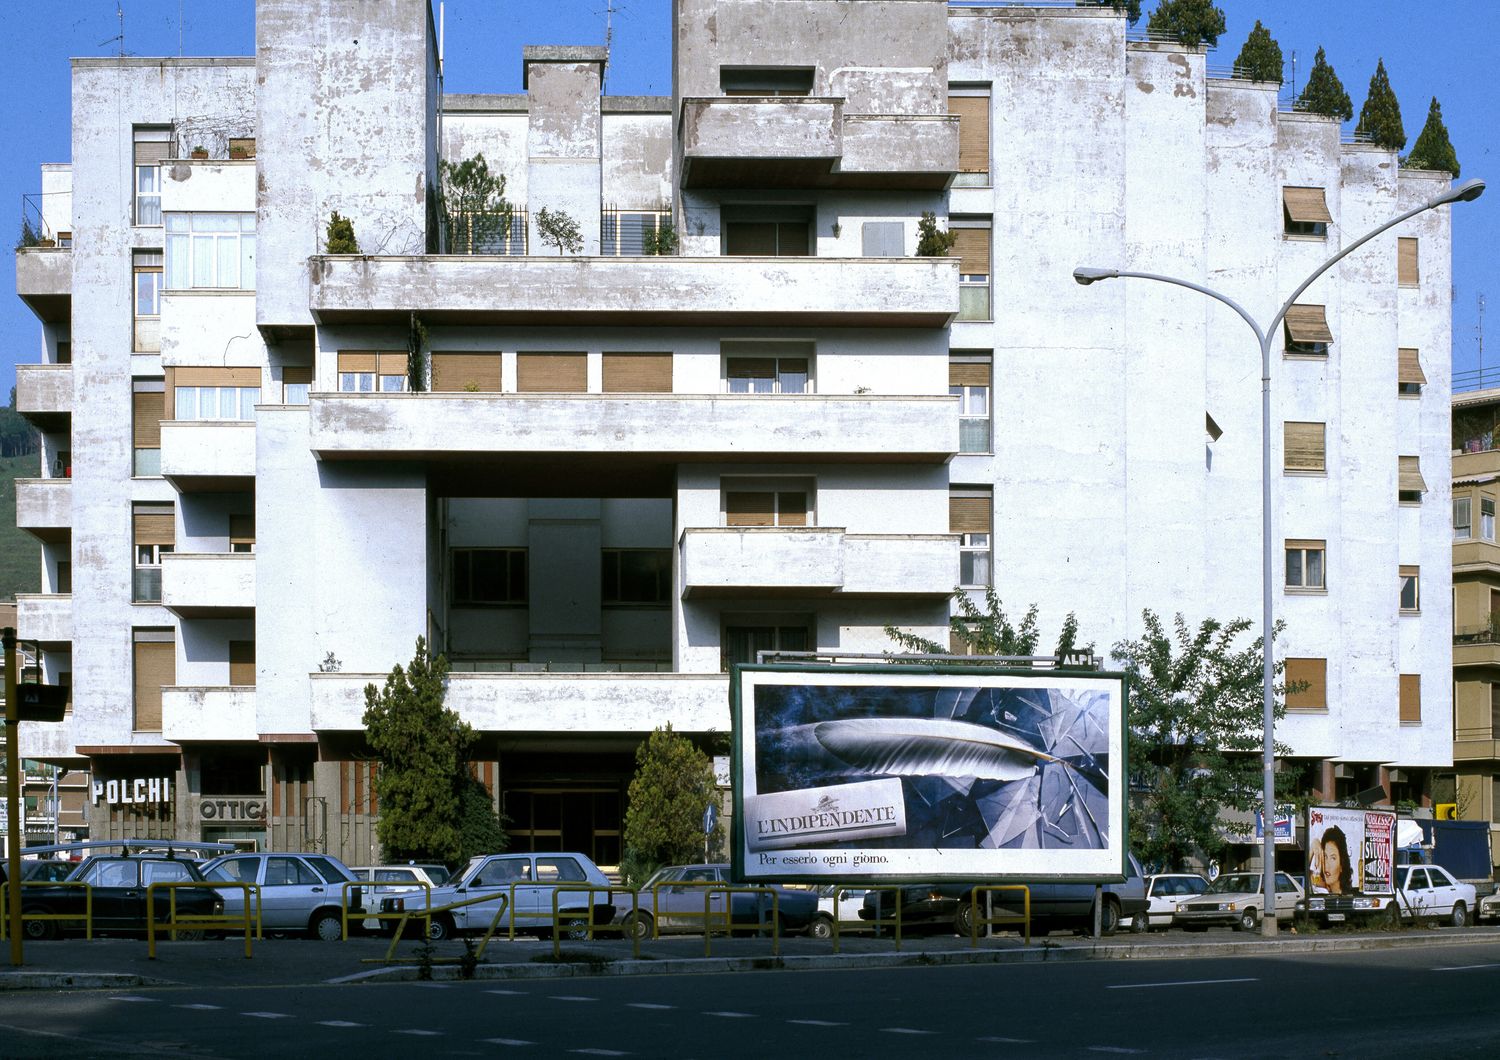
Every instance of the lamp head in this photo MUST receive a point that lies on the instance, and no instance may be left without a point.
(1086, 276)
(1467, 191)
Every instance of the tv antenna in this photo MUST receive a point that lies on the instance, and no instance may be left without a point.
(120, 37)
(1479, 331)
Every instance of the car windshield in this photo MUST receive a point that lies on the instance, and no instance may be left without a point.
(1232, 884)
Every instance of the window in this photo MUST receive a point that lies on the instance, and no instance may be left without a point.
(1303, 447)
(242, 533)
(552, 373)
(766, 80)
(368, 371)
(637, 373)
(242, 663)
(154, 530)
(972, 248)
(969, 381)
(1409, 375)
(1305, 561)
(484, 576)
(1409, 482)
(155, 667)
(1487, 518)
(1305, 212)
(1407, 272)
(1411, 585)
(1495, 711)
(1463, 508)
(623, 232)
(146, 273)
(742, 642)
(1305, 329)
(295, 383)
(152, 144)
(148, 407)
(970, 516)
(765, 375)
(1411, 699)
(1307, 684)
(472, 372)
(766, 231)
(211, 251)
(290, 872)
(766, 508)
(242, 147)
(972, 107)
(882, 239)
(636, 576)
(64, 583)
(215, 402)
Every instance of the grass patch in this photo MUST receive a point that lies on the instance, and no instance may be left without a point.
(595, 962)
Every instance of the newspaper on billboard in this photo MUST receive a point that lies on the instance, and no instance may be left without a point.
(1350, 851)
(908, 773)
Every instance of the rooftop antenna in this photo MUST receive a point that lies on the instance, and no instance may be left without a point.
(120, 37)
(1294, 79)
(1479, 329)
(179, 29)
(609, 39)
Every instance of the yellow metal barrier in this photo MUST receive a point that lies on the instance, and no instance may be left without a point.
(720, 919)
(591, 889)
(199, 921)
(1004, 918)
(88, 905)
(372, 911)
(879, 921)
(426, 913)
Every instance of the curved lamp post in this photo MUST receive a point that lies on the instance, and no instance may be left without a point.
(1467, 191)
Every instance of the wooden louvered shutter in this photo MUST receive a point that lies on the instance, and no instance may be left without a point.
(555, 373)
(791, 509)
(637, 373)
(241, 530)
(1409, 474)
(242, 662)
(356, 360)
(1409, 367)
(151, 152)
(1313, 673)
(969, 515)
(151, 527)
(968, 374)
(390, 363)
(747, 508)
(750, 237)
(1411, 698)
(1303, 447)
(1308, 323)
(1306, 205)
(972, 248)
(188, 375)
(148, 410)
(453, 372)
(155, 667)
(1407, 273)
(973, 132)
(294, 374)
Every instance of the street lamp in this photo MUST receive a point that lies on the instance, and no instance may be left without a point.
(1467, 191)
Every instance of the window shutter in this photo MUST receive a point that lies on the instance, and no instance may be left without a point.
(791, 509)
(153, 527)
(883, 239)
(293, 374)
(390, 363)
(637, 373)
(155, 667)
(1303, 447)
(1409, 474)
(1409, 367)
(241, 530)
(750, 237)
(1315, 673)
(358, 360)
(148, 410)
(191, 376)
(151, 152)
(972, 248)
(968, 374)
(565, 373)
(1407, 273)
(1300, 542)
(792, 239)
(743, 508)
(451, 371)
(242, 662)
(1306, 205)
(973, 132)
(751, 368)
(1411, 697)
(969, 515)
(1308, 323)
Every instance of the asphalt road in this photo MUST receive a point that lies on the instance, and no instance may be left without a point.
(1436, 1002)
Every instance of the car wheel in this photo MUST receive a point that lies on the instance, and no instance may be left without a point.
(38, 930)
(575, 929)
(195, 935)
(1140, 923)
(1249, 920)
(1109, 918)
(1460, 916)
(326, 926)
(821, 928)
(963, 920)
(638, 926)
(440, 929)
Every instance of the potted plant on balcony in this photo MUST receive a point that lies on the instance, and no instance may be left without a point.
(200, 152)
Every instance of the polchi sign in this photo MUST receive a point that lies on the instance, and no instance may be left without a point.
(137, 791)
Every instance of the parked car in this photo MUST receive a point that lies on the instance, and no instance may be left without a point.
(385, 880)
(118, 888)
(850, 901)
(534, 876)
(1489, 907)
(672, 900)
(1053, 905)
(1165, 891)
(298, 892)
(1235, 900)
(1430, 894)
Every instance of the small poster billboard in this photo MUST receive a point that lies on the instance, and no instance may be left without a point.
(1350, 851)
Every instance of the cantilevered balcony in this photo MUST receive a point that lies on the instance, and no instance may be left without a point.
(208, 584)
(44, 507)
(46, 618)
(208, 455)
(44, 395)
(44, 281)
(804, 560)
(651, 291)
(199, 713)
(809, 142)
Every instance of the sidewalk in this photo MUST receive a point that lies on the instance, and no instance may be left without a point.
(119, 963)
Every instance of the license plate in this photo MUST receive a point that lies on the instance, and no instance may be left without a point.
(1335, 916)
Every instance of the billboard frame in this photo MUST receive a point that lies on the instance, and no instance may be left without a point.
(739, 735)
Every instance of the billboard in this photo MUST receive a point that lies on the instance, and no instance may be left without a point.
(1350, 851)
(907, 773)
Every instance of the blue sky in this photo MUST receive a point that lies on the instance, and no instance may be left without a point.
(1448, 50)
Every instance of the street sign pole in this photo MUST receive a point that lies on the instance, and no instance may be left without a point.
(14, 818)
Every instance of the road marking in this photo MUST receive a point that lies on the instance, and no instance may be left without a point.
(818, 1023)
(1009, 1041)
(570, 997)
(338, 1023)
(903, 1030)
(733, 1015)
(268, 1015)
(1180, 982)
(514, 993)
(647, 1004)
(200, 1007)
(1466, 967)
(132, 997)
(599, 1052)
(1114, 1049)
(421, 1034)
(506, 1041)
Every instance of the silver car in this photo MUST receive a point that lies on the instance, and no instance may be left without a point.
(298, 892)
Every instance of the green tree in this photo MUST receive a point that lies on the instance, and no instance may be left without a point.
(673, 784)
(475, 215)
(480, 829)
(1131, 9)
(1324, 92)
(339, 236)
(1260, 58)
(422, 747)
(933, 242)
(662, 241)
(1433, 149)
(1196, 717)
(17, 436)
(559, 229)
(1380, 117)
(1191, 22)
(988, 630)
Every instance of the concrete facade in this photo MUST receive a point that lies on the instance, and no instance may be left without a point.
(574, 506)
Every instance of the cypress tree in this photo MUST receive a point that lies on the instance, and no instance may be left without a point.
(1433, 149)
(1260, 58)
(1192, 22)
(1325, 93)
(1380, 117)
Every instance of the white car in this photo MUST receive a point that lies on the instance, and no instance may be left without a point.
(394, 879)
(1164, 893)
(1489, 907)
(1430, 894)
(1235, 900)
(850, 899)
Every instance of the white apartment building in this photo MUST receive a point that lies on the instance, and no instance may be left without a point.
(625, 471)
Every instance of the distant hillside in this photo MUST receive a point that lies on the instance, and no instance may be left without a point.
(20, 555)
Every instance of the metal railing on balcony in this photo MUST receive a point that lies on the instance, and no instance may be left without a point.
(35, 232)
(487, 233)
(145, 585)
(1489, 634)
(1480, 378)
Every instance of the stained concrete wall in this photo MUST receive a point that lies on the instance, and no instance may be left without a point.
(563, 148)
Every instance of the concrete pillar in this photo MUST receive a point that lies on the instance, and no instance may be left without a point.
(563, 147)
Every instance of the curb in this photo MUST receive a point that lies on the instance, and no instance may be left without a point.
(76, 981)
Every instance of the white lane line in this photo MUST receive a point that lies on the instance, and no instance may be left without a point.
(1114, 1049)
(512, 993)
(647, 1004)
(1180, 982)
(598, 1052)
(1009, 1041)
(421, 1034)
(338, 1023)
(903, 1030)
(818, 1023)
(506, 1041)
(132, 997)
(733, 1015)
(1466, 967)
(268, 1015)
(570, 997)
(200, 1007)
